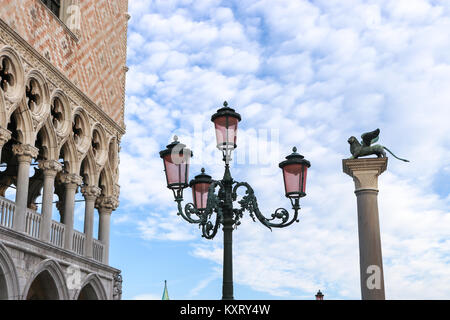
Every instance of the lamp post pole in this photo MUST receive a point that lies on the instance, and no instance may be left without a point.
(227, 286)
(212, 209)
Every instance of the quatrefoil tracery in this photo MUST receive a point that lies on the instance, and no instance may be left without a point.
(6, 77)
(33, 94)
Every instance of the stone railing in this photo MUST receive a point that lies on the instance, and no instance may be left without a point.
(97, 253)
(7, 209)
(33, 223)
(57, 234)
(78, 242)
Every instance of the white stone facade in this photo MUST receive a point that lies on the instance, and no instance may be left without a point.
(46, 122)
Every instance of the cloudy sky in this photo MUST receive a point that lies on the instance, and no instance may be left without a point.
(301, 73)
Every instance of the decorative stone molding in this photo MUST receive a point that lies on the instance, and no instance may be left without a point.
(365, 172)
(5, 135)
(70, 179)
(25, 152)
(50, 167)
(107, 202)
(117, 287)
(91, 192)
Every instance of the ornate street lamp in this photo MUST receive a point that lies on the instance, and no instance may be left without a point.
(210, 208)
(319, 295)
(176, 165)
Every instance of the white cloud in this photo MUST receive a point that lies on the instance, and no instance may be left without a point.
(316, 73)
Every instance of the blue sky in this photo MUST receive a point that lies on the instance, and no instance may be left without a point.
(303, 73)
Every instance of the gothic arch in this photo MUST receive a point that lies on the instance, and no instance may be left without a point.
(89, 170)
(54, 278)
(9, 284)
(70, 156)
(24, 122)
(93, 289)
(49, 141)
(106, 182)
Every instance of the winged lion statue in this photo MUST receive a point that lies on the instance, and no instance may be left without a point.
(365, 147)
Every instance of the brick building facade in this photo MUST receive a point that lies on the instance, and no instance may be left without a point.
(62, 89)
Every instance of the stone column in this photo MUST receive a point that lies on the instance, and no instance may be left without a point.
(105, 205)
(90, 194)
(50, 168)
(25, 154)
(5, 135)
(365, 174)
(71, 181)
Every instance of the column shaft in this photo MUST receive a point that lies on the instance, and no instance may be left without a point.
(47, 205)
(21, 194)
(89, 225)
(103, 231)
(90, 194)
(370, 256)
(69, 206)
(50, 169)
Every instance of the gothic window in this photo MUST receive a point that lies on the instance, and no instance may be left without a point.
(53, 5)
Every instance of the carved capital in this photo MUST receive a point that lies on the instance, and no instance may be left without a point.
(365, 172)
(107, 202)
(50, 167)
(25, 152)
(70, 179)
(5, 135)
(91, 192)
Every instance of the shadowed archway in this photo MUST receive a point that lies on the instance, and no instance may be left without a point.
(43, 287)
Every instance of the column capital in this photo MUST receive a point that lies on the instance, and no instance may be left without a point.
(365, 172)
(107, 203)
(50, 167)
(70, 179)
(25, 152)
(91, 192)
(5, 135)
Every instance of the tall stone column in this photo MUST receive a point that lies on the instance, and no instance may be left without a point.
(365, 174)
(50, 168)
(71, 181)
(105, 206)
(5, 135)
(25, 154)
(90, 194)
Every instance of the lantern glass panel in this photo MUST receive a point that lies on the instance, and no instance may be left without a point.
(226, 131)
(294, 179)
(200, 195)
(177, 170)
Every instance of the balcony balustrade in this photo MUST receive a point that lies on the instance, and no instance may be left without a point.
(57, 230)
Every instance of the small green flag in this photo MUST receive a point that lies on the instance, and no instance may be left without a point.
(165, 295)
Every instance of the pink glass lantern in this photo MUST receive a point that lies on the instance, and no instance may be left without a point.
(319, 295)
(226, 123)
(295, 169)
(176, 160)
(200, 186)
